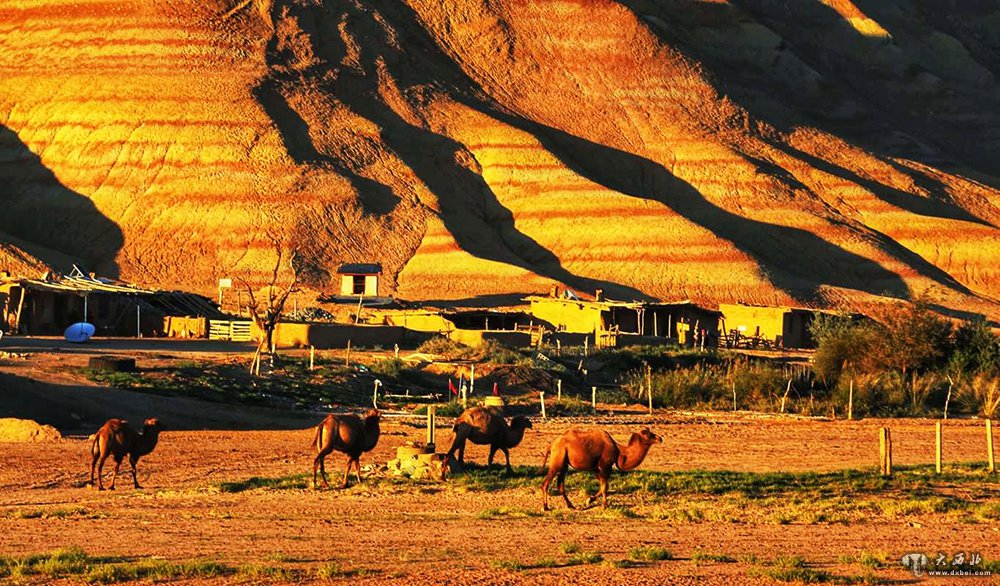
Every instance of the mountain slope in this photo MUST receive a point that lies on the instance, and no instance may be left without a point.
(779, 152)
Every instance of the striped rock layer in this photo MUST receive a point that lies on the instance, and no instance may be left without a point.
(829, 153)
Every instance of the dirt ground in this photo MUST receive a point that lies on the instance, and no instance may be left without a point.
(438, 533)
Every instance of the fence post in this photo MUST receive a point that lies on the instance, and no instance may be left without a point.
(312, 357)
(649, 387)
(431, 413)
(885, 451)
(989, 446)
(593, 398)
(347, 359)
(850, 401)
(559, 389)
(937, 447)
(541, 398)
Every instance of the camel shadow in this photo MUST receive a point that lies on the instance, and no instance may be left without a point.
(47, 217)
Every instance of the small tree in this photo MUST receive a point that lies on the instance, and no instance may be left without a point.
(843, 344)
(916, 337)
(266, 313)
(976, 349)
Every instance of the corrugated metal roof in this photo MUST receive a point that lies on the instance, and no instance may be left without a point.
(82, 285)
(360, 269)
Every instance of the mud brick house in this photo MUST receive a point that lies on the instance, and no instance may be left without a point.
(618, 323)
(470, 327)
(781, 327)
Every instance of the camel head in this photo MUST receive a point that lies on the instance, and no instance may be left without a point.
(152, 424)
(646, 437)
(520, 421)
(373, 415)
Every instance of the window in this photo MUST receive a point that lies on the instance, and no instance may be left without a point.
(358, 285)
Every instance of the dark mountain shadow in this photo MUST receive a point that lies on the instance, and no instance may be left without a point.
(794, 260)
(889, 122)
(936, 207)
(376, 197)
(964, 315)
(896, 123)
(37, 208)
(470, 210)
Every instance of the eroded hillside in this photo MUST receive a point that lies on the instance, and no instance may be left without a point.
(826, 153)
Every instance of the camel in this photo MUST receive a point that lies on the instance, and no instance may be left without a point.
(597, 452)
(348, 434)
(486, 426)
(117, 439)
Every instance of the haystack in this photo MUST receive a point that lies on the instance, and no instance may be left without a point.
(26, 430)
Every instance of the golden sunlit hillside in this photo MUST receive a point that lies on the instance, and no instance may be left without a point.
(828, 153)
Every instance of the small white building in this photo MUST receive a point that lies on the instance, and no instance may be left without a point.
(357, 279)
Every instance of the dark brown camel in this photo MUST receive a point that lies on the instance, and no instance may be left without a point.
(597, 452)
(486, 426)
(117, 439)
(348, 434)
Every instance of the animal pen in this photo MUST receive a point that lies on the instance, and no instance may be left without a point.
(608, 323)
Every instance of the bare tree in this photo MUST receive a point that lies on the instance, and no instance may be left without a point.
(267, 312)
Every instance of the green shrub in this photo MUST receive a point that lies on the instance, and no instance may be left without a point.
(388, 367)
(976, 350)
(444, 346)
(650, 554)
(842, 342)
(452, 409)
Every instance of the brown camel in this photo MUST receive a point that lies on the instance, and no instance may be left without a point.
(486, 426)
(117, 439)
(597, 452)
(345, 433)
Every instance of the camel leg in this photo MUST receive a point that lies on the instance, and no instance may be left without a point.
(357, 468)
(545, 488)
(347, 473)
(603, 474)
(135, 479)
(114, 477)
(458, 445)
(93, 466)
(562, 484)
(493, 451)
(318, 466)
(506, 453)
(100, 472)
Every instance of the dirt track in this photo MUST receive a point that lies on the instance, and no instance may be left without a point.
(436, 533)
